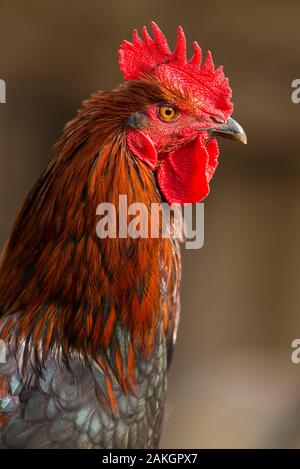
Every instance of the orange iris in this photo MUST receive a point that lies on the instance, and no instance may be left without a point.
(167, 112)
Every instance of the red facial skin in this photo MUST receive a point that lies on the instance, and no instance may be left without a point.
(183, 157)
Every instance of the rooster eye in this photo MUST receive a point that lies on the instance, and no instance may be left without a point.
(167, 113)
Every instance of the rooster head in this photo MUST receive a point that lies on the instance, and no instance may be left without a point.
(175, 133)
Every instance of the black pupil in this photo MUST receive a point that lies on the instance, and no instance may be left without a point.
(168, 112)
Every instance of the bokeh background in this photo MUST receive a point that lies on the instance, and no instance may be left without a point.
(232, 382)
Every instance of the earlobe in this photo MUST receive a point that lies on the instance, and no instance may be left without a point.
(142, 147)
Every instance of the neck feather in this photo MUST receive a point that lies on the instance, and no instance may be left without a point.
(62, 289)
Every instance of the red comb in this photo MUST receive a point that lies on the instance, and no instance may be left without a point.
(142, 57)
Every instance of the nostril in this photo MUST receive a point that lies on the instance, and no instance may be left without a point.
(217, 119)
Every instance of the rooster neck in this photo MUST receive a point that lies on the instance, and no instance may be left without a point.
(62, 289)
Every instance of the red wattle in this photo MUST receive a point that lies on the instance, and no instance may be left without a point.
(213, 153)
(183, 177)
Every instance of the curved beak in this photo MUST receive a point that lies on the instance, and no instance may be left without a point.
(231, 129)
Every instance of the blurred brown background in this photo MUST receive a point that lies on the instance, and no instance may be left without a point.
(232, 383)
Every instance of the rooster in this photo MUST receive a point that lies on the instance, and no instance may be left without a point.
(89, 325)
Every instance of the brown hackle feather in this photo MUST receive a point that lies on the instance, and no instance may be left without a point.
(61, 287)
